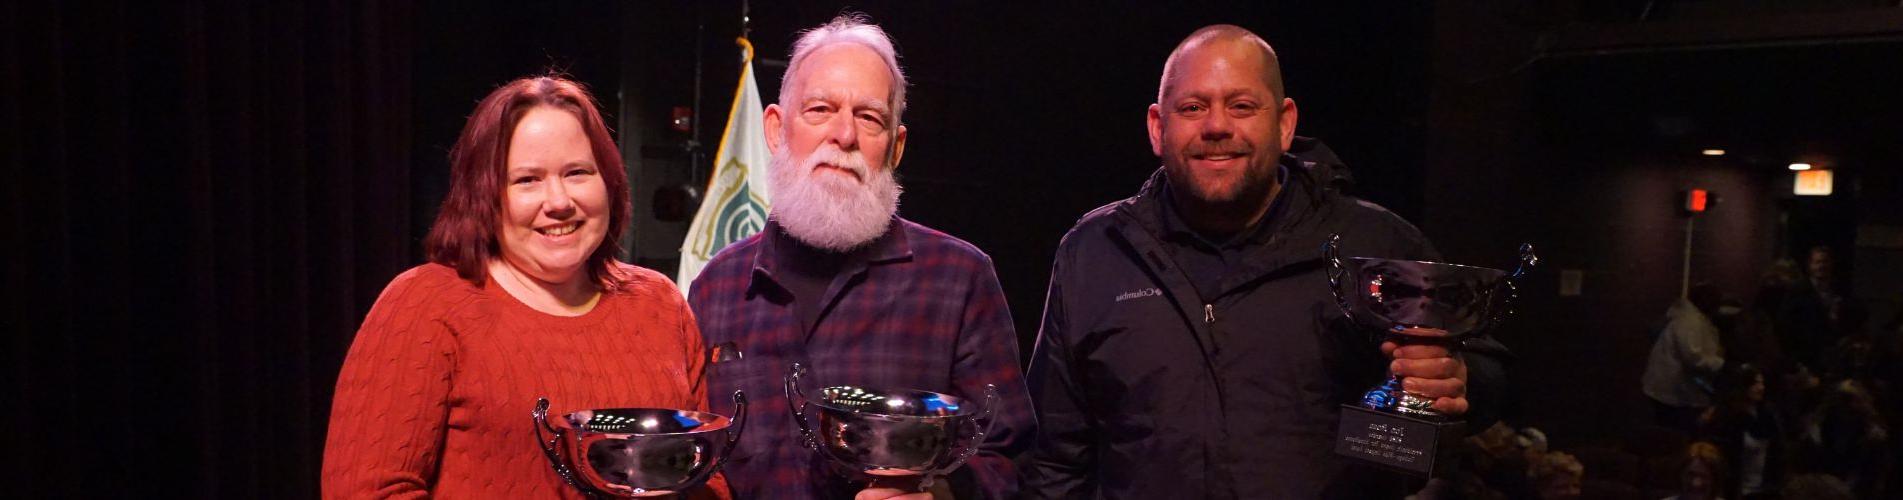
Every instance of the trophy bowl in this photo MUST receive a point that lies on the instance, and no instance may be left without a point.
(637, 452)
(1390, 294)
(1393, 296)
(1390, 426)
(889, 432)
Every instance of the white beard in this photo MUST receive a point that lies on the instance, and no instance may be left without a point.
(829, 211)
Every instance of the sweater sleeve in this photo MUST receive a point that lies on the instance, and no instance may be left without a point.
(388, 418)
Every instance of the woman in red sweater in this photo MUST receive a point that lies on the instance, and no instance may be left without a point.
(522, 298)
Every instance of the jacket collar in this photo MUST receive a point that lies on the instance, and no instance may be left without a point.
(1173, 226)
(1147, 208)
(1291, 237)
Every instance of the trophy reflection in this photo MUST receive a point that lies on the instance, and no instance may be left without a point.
(637, 452)
(876, 432)
(1390, 426)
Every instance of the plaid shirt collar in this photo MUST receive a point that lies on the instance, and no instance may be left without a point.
(887, 248)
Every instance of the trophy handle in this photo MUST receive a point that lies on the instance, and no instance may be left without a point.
(551, 447)
(739, 419)
(733, 437)
(1527, 260)
(1331, 251)
(981, 427)
(796, 402)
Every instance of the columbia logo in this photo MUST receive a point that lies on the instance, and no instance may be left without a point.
(1138, 294)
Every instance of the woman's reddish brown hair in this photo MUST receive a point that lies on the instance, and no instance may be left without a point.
(464, 235)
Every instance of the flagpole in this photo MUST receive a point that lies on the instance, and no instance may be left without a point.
(736, 200)
(694, 151)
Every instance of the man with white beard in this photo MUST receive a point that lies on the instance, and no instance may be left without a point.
(840, 284)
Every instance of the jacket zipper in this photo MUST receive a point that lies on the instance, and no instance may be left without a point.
(1209, 313)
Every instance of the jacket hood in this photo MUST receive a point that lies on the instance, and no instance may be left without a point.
(1322, 164)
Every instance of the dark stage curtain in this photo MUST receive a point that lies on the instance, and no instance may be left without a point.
(201, 200)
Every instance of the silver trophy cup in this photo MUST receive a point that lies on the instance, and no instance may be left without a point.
(1394, 296)
(637, 452)
(890, 433)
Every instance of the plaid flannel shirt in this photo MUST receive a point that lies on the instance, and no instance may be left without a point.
(919, 309)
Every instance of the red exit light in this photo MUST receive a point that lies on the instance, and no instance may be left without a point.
(1696, 200)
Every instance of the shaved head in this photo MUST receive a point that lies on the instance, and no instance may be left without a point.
(1224, 34)
(1220, 124)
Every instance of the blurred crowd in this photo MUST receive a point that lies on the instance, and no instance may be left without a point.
(1791, 394)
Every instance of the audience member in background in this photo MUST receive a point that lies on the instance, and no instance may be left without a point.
(1774, 284)
(1470, 479)
(1845, 437)
(1683, 358)
(1889, 346)
(1752, 336)
(1808, 318)
(1889, 375)
(1852, 358)
(1747, 333)
(1748, 432)
(1702, 474)
(1499, 464)
(1557, 475)
(1817, 487)
(1794, 394)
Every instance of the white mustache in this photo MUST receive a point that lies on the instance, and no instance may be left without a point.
(830, 154)
(830, 213)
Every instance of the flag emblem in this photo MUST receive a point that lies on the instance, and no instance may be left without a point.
(737, 200)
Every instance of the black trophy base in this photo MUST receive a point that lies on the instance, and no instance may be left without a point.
(1399, 442)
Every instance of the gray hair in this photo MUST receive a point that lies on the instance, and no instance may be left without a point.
(847, 28)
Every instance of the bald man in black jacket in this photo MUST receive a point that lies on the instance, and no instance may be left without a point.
(1190, 346)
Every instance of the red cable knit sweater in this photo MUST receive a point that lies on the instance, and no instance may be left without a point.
(435, 394)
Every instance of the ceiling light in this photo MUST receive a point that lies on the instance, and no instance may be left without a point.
(1713, 152)
(1813, 183)
(1800, 166)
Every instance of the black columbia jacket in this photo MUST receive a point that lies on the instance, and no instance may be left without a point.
(1145, 389)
